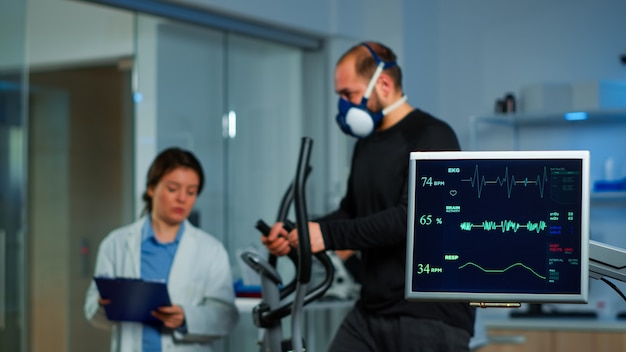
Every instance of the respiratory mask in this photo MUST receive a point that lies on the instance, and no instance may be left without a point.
(357, 120)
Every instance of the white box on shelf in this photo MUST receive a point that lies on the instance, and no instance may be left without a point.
(546, 98)
(598, 95)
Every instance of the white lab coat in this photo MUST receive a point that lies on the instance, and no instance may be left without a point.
(200, 281)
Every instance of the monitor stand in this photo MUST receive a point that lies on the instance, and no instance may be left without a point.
(535, 311)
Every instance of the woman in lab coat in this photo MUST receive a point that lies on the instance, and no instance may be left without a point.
(164, 245)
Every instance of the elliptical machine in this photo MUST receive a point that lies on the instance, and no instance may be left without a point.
(276, 302)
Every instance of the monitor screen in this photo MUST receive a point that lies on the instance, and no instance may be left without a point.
(498, 226)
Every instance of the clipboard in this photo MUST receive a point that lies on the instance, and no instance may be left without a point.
(132, 299)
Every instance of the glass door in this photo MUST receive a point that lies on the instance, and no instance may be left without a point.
(236, 102)
(12, 186)
(264, 100)
(264, 93)
(79, 167)
(180, 79)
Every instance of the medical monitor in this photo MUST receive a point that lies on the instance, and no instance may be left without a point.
(498, 226)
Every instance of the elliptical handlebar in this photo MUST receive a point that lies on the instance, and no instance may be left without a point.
(302, 218)
(304, 245)
(267, 316)
(312, 294)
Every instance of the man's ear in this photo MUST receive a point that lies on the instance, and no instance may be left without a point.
(385, 84)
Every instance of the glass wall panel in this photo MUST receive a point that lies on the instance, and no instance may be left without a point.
(264, 88)
(12, 187)
(264, 94)
(180, 80)
(237, 103)
(189, 108)
(80, 164)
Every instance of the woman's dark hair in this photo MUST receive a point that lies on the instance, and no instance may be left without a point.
(168, 160)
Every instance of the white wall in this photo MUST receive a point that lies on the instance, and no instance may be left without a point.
(80, 34)
(310, 16)
(12, 33)
(471, 52)
(336, 18)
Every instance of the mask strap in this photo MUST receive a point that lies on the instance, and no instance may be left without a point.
(380, 66)
(373, 80)
(394, 106)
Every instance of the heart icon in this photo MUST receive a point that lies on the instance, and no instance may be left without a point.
(453, 192)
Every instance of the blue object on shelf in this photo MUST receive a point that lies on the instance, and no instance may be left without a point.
(610, 186)
(243, 290)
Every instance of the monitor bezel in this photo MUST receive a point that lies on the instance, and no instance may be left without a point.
(500, 297)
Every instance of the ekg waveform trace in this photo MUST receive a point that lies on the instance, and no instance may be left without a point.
(477, 181)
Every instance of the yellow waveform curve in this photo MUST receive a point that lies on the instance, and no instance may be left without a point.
(499, 271)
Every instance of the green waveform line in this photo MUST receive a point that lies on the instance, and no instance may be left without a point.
(505, 225)
(498, 271)
(479, 181)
